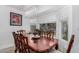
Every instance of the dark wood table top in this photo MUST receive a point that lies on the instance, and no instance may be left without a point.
(42, 44)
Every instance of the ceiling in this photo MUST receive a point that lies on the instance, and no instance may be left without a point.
(32, 11)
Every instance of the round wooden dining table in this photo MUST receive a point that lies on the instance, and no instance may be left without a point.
(42, 44)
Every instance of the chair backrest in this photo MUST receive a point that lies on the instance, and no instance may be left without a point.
(50, 35)
(70, 44)
(24, 43)
(17, 42)
(15, 39)
(20, 31)
(20, 42)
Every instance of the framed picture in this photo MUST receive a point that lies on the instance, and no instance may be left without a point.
(15, 19)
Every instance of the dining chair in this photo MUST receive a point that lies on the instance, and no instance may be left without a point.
(42, 35)
(70, 45)
(17, 42)
(24, 44)
(49, 35)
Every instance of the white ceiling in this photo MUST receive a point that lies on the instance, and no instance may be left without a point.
(32, 11)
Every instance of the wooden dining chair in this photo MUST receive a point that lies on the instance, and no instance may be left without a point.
(17, 42)
(68, 50)
(70, 44)
(49, 35)
(21, 43)
(24, 44)
(20, 31)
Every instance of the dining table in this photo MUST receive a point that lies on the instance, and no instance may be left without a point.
(42, 44)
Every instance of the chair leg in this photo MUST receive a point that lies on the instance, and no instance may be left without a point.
(56, 47)
(15, 50)
(28, 50)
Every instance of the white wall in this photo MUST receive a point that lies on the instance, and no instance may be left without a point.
(47, 18)
(75, 25)
(6, 38)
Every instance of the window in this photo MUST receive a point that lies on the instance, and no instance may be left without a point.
(65, 30)
(48, 27)
(33, 27)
